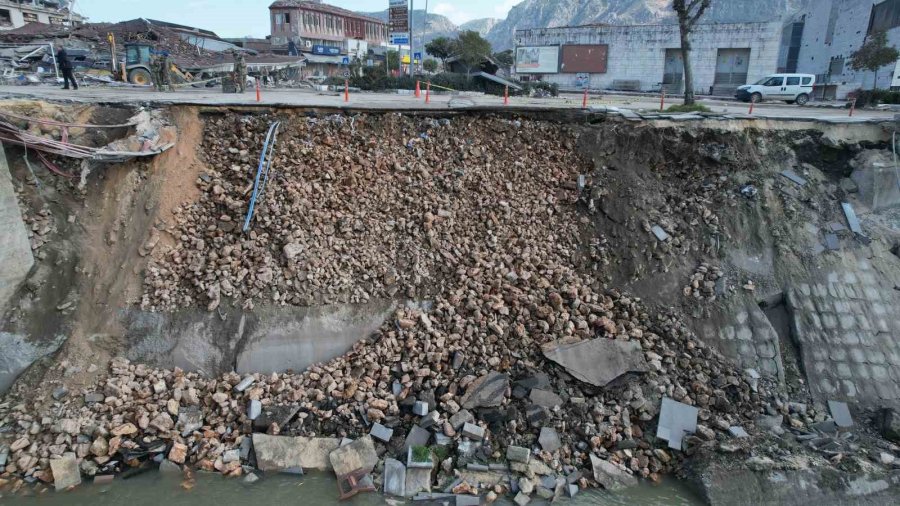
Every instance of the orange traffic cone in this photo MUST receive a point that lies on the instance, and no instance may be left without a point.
(506, 96)
(346, 90)
(418, 90)
(428, 92)
(258, 97)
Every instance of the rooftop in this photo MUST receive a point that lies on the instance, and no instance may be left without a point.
(320, 7)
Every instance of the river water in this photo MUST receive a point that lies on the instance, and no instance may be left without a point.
(155, 489)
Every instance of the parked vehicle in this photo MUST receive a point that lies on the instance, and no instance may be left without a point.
(792, 88)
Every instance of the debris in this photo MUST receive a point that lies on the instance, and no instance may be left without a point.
(549, 439)
(417, 480)
(486, 391)
(793, 176)
(417, 436)
(675, 420)
(461, 417)
(65, 471)
(545, 398)
(832, 242)
(254, 409)
(277, 453)
(749, 191)
(381, 432)
(889, 423)
(473, 432)
(841, 414)
(610, 476)
(244, 384)
(420, 408)
(358, 455)
(660, 234)
(852, 220)
(597, 361)
(738, 431)
(394, 477)
(518, 454)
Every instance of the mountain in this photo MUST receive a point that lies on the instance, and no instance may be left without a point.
(554, 13)
(438, 25)
(483, 26)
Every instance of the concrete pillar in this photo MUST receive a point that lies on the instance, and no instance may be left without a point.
(15, 248)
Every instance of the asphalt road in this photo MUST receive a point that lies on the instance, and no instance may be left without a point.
(393, 101)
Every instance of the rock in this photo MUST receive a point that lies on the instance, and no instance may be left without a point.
(487, 391)
(93, 398)
(100, 447)
(841, 414)
(526, 486)
(889, 423)
(233, 455)
(278, 415)
(19, 444)
(178, 453)
(460, 418)
(172, 407)
(738, 431)
(545, 398)
(676, 420)
(127, 429)
(473, 432)
(251, 478)
(518, 454)
(358, 455)
(394, 478)
(420, 408)
(244, 384)
(381, 433)
(277, 453)
(417, 480)
(190, 419)
(59, 393)
(169, 467)
(886, 458)
(65, 471)
(549, 439)
(610, 476)
(597, 362)
(521, 499)
(430, 420)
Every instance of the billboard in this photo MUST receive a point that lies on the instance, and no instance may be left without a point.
(326, 50)
(398, 18)
(537, 60)
(584, 58)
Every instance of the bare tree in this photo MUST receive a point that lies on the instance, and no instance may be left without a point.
(689, 13)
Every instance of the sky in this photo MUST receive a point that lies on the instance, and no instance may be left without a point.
(238, 18)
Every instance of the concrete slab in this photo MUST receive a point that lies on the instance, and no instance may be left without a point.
(16, 259)
(394, 477)
(277, 453)
(841, 414)
(676, 420)
(597, 361)
(357, 455)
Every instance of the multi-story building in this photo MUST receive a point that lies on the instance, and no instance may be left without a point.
(648, 57)
(324, 33)
(18, 13)
(825, 35)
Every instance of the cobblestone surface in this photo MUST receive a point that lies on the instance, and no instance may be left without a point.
(846, 327)
(753, 342)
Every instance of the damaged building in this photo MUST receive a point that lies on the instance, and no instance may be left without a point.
(18, 13)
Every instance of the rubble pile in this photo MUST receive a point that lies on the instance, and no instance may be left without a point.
(707, 283)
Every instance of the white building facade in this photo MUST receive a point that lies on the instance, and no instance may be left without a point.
(18, 13)
(648, 57)
(833, 29)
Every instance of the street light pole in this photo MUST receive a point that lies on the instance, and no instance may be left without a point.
(412, 35)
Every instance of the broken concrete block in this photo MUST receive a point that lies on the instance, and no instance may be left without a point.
(660, 234)
(358, 455)
(597, 361)
(473, 432)
(277, 453)
(429, 420)
(65, 471)
(738, 432)
(381, 432)
(417, 480)
(841, 414)
(244, 384)
(610, 476)
(420, 408)
(675, 420)
(467, 500)
(486, 392)
(889, 424)
(254, 409)
(549, 439)
(460, 418)
(518, 454)
(545, 398)
(793, 176)
(417, 437)
(521, 499)
(394, 477)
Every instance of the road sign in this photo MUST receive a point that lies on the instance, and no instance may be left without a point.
(400, 39)
(417, 56)
(398, 17)
(345, 60)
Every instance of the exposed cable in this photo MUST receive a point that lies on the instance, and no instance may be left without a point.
(259, 183)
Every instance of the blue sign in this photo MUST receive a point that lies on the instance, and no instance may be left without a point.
(346, 60)
(399, 39)
(326, 50)
(417, 56)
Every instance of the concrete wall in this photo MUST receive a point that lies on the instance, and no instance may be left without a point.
(638, 52)
(16, 259)
(834, 29)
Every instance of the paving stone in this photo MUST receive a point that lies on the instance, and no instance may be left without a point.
(676, 419)
(461, 417)
(417, 436)
(394, 477)
(420, 408)
(518, 454)
(381, 433)
(473, 432)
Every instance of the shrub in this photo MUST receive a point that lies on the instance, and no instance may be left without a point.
(875, 97)
(532, 86)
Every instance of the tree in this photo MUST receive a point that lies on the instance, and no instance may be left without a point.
(874, 54)
(430, 65)
(505, 59)
(472, 49)
(441, 48)
(393, 61)
(689, 13)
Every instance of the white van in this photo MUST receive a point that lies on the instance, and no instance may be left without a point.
(792, 88)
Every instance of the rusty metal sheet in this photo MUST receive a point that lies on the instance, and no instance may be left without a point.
(584, 58)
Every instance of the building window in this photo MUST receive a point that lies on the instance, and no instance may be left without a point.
(30, 17)
(885, 15)
(836, 67)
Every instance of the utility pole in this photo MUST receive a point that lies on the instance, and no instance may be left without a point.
(412, 36)
(424, 29)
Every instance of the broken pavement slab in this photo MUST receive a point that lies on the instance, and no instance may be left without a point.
(358, 455)
(597, 361)
(841, 414)
(65, 471)
(611, 476)
(676, 419)
(277, 453)
(794, 177)
(660, 234)
(488, 391)
(394, 477)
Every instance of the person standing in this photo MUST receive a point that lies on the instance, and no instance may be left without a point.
(65, 67)
(156, 71)
(240, 72)
(167, 72)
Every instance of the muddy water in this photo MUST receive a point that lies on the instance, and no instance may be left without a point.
(154, 489)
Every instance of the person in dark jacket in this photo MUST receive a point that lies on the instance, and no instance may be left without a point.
(65, 66)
